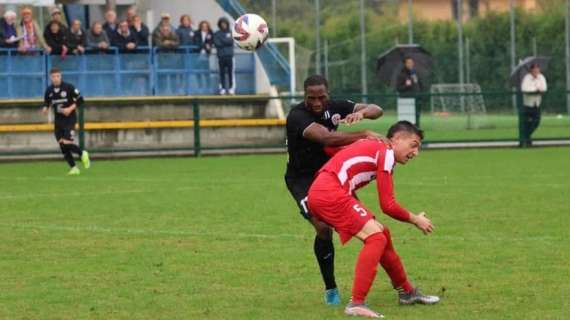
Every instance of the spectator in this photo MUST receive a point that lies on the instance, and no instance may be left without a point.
(131, 14)
(408, 82)
(124, 39)
(166, 38)
(110, 26)
(97, 38)
(140, 30)
(76, 38)
(185, 32)
(204, 38)
(56, 38)
(533, 87)
(164, 20)
(225, 50)
(8, 32)
(30, 34)
(57, 17)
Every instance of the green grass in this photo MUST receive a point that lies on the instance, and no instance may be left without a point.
(489, 127)
(220, 238)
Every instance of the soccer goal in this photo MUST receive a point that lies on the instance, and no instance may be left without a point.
(460, 102)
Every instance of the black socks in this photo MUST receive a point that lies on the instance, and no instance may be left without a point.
(324, 251)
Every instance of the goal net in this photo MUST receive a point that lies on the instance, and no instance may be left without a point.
(464, 103)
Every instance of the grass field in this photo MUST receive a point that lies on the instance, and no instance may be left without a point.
(488, 127)
(220, 238)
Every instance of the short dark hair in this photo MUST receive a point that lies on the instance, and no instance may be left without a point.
(315, 80)
(406, 126)
(406, 58)
(54, 70)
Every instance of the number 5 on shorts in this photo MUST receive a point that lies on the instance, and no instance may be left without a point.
(360, 210)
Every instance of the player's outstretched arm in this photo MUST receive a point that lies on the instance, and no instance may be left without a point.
(319, 133)
(390, 206)
(363, 111)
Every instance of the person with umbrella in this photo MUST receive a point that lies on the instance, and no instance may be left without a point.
(533, 87)
(408, 83)
(405, 67)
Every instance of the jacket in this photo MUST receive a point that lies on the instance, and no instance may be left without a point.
(186, 35)
(412, 89)
(533, 89)
(141, 36)
(56, 41)
(205, 44)
(76, 39)
(223, 40)
(121, 41)
(6, 32)
(40, 41)
(159, 39)
(93, 40)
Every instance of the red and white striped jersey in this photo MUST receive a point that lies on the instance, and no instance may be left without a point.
(363, 161)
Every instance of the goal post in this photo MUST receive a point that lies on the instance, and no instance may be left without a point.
(459, 100)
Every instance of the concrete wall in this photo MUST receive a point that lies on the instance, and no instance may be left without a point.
(122, 110)
(104, 110)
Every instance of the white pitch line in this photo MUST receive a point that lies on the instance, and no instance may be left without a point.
(241, 235)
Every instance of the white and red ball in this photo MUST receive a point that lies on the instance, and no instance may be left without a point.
(250, 31)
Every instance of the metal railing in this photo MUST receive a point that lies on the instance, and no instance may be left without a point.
(142, 72)
(495, 123)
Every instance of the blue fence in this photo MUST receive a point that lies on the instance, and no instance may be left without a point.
(142, 73)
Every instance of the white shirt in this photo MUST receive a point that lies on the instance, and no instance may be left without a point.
(532, 89)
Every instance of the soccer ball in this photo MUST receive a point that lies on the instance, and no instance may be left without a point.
(250, 32)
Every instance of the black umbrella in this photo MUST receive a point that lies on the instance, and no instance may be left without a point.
(524, 67)
(390, 63)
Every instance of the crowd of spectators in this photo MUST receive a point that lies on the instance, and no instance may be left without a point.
(127, 35)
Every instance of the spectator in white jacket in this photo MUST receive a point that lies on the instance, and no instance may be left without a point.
(533, 87)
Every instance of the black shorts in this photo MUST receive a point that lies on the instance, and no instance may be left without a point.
(299, 187)
(64, 133)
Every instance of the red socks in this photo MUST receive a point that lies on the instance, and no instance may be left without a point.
(367, 265)
(378, 248)
(393, 266)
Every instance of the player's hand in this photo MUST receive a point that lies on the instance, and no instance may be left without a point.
(66, 111)
(44, 111)
(422, 222)
(369, 134)
(352, 118)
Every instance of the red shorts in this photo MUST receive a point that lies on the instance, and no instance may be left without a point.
(330, 203)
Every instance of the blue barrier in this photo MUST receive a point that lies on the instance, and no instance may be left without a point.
(144, 72)
(22, 76)
(182, 71)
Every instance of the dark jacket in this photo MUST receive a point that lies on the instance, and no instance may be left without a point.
(223, 40)
(205, 44)
(62, 27)
(110, 30)
(76, 39)
(6, 32)
(186, 35)
(121, 41)
(56, 41)
(141, 36)
(415, 87)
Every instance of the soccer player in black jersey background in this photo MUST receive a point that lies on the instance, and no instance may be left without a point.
(64, 99)
(311, 126)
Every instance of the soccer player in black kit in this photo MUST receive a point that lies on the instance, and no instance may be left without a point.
(64, 99)
(311, 126)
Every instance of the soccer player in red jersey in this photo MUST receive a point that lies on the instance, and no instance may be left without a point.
(332, 199)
